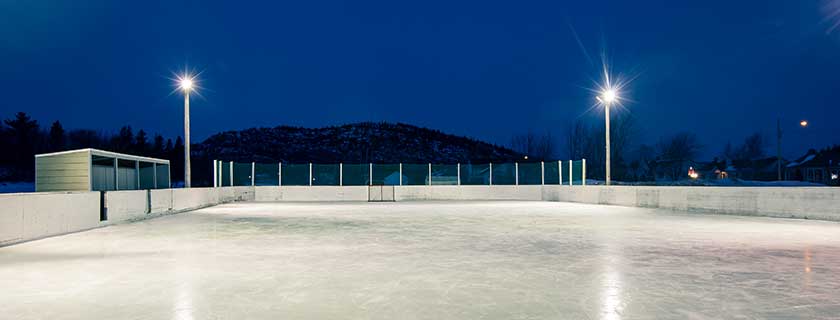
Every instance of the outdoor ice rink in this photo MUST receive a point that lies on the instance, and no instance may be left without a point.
(429, 260)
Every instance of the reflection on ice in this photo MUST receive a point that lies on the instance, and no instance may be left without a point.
(429, 260)
(611, 308)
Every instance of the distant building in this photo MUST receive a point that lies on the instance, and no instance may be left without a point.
(98, 170)
(766, 169)
(816, 166)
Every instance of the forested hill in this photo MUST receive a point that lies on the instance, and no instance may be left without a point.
(351, 143)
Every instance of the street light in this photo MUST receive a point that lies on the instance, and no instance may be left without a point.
(185, 82)
(607, 97)
(803, 124)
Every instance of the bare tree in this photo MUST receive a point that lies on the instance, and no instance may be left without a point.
(535, 147)
(676, 151)
(579, 140)
(623, 135)
(753, 147)
(587, 142)
(524, 143)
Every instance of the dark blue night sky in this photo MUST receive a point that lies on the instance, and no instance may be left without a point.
(486, 69)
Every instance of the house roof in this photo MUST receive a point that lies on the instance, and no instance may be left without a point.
(829, 157)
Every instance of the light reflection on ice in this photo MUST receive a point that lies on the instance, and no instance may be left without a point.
(612, 305)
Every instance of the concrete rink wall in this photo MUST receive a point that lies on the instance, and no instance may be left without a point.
(408, 193)
(306, 193)
(783, 202)
(401, 193)
(28, 216)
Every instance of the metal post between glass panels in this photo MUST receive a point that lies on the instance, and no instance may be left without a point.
(401, 174)
(516, 173)
(559, 172)
(231, 173)
(370, 174)
(542, 172)
(253, 171)
(215, 169)
(279, 174)
(459, 173)
(571, 175)
(340, 174)
(491, 173)
(310, 174)
(430, 174)
(583, 172)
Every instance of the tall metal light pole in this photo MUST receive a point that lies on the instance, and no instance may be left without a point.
(186, 86)
(607, 97)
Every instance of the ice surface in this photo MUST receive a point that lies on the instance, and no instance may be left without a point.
(429, 260)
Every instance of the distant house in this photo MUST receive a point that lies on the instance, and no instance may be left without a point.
(816, 166)
(766, 169)
(671, 170)
(714, 170)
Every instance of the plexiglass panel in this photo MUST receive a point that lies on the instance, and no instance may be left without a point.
(224, 172)
(356, 174)
(386, 174)
(504, 174)
(577, 173)
(552, 172)
(444, 174)
(267, 174)
(475, 174)
(241, 174)
(415, 174)
(325, 174)
(295, 174)
(530, 173)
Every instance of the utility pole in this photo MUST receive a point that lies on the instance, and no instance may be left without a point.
(779, 149)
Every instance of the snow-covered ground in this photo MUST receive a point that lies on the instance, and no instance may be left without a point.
(712, 183)
(429, 260)
(15, 187)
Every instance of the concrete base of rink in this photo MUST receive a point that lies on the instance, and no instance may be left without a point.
(429, 260)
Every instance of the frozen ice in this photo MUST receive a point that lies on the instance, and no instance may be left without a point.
(429, 260)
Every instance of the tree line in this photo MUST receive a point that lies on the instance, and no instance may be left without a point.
(633, 160)
(22, 137)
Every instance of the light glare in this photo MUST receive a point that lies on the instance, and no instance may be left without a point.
(186, 84)
(609, 96)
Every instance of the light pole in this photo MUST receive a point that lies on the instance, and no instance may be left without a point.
(186, 84)
(607, 97)
(803, 124)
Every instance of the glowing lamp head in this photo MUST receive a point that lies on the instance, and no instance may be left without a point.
(186, 84)
(608, 96)
(803, 123)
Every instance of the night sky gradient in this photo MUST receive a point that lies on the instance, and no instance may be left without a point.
(484, 69)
